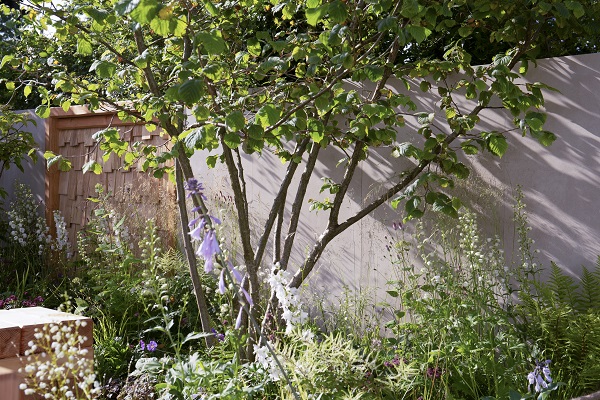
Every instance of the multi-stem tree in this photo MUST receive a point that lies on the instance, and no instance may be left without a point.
(242, 76)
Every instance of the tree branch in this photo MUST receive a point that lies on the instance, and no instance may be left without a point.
(279, 201)
(297, 205)
(343, 188)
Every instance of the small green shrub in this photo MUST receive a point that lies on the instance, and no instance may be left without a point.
(452, 321)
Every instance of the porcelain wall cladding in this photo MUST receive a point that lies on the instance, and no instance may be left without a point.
(561, 184)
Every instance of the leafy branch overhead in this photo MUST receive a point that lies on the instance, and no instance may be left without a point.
(296, 77)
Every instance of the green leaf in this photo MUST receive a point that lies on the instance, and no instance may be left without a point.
(84, 47)
(126, 6)
(145, 11)
(314, 15)
(211, 161)
(66, 105)
(212, 42)
(546, 138)
(469, 148)
(142, 60)
(48, 155)
(323, 103)
(425, 118)
(410, 8)
(576, 7)
(254, 48)
(481, 85)
(27, 90)
(235, 121)
(10, 85)
(465, 31)
(514, 395)
(51, 159)
(211, 8)
(6, 59)
(535, 120)
(272, 63)
(374, 73)
(267, 115)
(389, 23)
(97, 15)
(419, 33)
(316, 130)
(232, 140)
(431, 197)
(92, 166)
(129, 158)
(497, 145)
(168, 27)
(338, 11)
(104, 69)
(42, 111)
(456, 203)
(191, 91)
(460, 171)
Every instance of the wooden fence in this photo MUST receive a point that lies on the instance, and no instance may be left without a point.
(133, 193)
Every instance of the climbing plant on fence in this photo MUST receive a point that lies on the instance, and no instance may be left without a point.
(239, 77)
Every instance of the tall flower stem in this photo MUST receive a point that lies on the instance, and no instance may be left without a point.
(191, 257)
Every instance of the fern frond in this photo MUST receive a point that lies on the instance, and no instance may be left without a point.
(597, 269)
(563, 286)
(589, 299)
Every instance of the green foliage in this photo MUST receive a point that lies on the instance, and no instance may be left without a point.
(458, 332)
(563, 318)
(559, 316)
(15, 141)
(136, 291)
(111, 350)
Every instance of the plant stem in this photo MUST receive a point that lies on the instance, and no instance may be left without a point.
(191, 257)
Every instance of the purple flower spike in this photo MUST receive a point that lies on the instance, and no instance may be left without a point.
(222, 287)
(208, 248)
(194, 187)
(142, 345)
